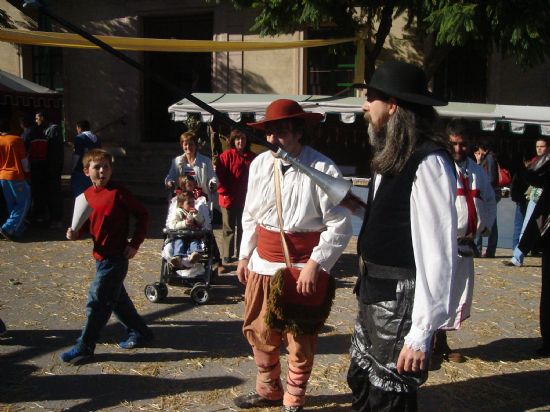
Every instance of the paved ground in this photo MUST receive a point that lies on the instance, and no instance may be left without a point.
(200, 360)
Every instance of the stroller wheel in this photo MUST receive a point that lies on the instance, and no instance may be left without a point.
(164, 272)
(200, 294)
(156, 292)
(163, 290)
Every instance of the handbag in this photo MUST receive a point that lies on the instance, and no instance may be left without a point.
(289, 310)
(504, 177)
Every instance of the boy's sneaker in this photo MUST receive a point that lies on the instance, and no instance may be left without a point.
(194, 257)
(136, 340)
(76, 354)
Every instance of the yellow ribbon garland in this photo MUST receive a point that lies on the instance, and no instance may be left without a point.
(52, 39)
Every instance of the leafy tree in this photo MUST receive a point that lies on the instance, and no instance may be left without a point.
(516, 28)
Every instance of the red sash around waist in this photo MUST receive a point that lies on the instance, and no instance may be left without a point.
(300, 245)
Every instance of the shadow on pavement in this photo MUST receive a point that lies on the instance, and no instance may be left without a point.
(333, 344)
(330, 403)
(507, 350)
(509, 392)
(107, 390)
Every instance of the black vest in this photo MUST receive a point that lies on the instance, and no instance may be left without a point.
(385, 241)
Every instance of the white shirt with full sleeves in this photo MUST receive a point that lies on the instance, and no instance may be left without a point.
(434, 233)
(306, 208)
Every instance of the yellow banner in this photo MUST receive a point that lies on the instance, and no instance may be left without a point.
(39, 38)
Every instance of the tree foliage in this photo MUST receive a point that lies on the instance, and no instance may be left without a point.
(516, 28)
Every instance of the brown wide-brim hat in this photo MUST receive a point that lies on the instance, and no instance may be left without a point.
(403, 81)
(285, 109)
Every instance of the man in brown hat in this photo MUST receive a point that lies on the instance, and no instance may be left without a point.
(407, 244)
(316, 232)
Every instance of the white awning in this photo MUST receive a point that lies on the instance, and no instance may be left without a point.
(349, 109)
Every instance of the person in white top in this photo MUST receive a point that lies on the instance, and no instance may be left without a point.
(407, 244)
(476, 209)
(317, 233)
(192, 163)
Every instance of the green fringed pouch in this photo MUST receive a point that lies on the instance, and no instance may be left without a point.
(290, 311)
(287, 309)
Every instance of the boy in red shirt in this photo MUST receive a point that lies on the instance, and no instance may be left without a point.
(111, 206)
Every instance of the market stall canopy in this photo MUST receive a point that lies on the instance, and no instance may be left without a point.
(349, 109)
(17, 91)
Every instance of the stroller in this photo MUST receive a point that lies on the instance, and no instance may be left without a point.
(199, 276)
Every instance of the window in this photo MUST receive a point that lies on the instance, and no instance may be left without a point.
(191, 72)
(47, 62)
(329, 69)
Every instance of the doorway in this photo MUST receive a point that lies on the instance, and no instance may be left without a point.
(189, 71)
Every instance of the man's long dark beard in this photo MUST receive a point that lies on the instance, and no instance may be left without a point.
(393, 143)
(377, 138)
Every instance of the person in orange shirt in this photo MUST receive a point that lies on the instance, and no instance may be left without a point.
(14, 167)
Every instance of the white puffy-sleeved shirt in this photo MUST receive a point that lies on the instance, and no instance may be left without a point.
(434, 234)
(306, 208)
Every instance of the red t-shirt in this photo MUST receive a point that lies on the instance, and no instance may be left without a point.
(109, 222)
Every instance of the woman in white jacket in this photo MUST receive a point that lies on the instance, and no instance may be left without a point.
(192, 163)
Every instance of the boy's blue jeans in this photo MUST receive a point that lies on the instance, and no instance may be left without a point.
(17, 195)
(107, 295)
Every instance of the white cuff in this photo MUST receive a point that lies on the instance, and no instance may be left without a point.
(419, 339)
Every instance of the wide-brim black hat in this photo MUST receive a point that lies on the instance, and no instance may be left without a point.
(403, 81)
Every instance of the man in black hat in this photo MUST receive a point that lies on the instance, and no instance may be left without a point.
(407, 244)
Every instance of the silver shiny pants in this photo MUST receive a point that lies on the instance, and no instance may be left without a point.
(378, 338)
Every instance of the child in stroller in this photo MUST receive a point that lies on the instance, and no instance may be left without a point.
(185, 250)
(188, 250)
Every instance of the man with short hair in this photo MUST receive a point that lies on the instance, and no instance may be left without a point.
(84, 140)
(538, 175)
(54, 169)
(489, 163)
(407, 243)
(476, 210)
(36, 145)
(533, 196)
